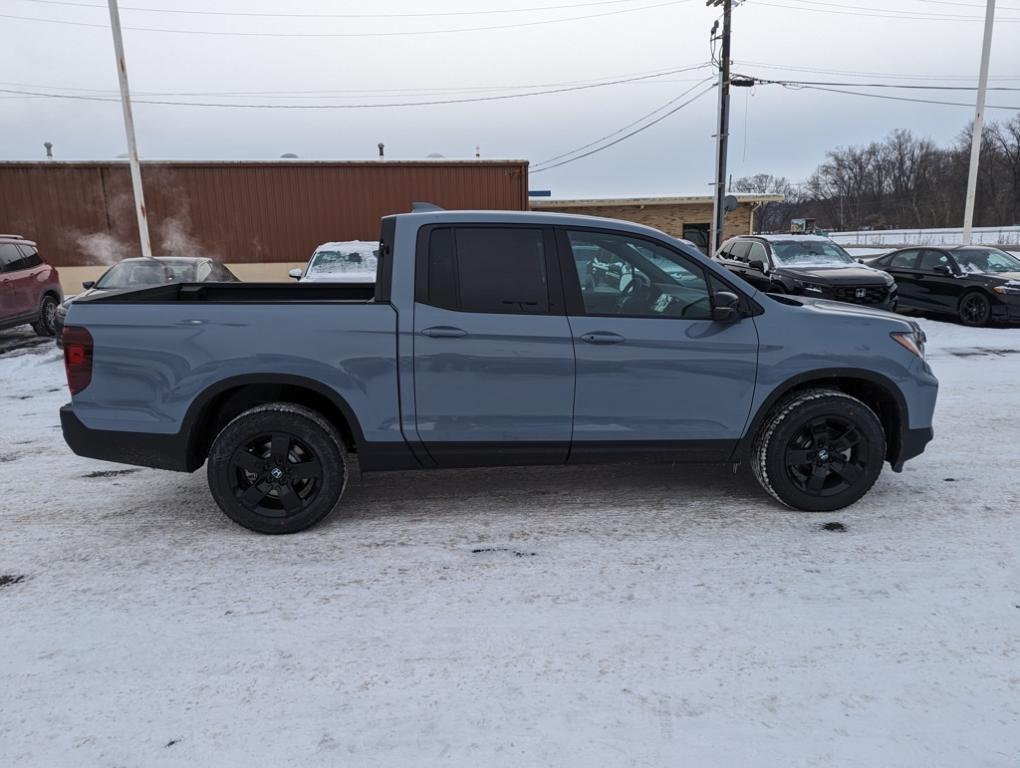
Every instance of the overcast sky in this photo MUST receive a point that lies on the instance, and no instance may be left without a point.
(773, 129)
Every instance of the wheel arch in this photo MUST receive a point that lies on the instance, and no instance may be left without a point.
(876, 391)
(221, 402)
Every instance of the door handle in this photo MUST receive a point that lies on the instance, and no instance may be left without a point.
(602, 337)
(444, 332)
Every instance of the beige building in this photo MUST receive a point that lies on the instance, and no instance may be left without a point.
(686, 216)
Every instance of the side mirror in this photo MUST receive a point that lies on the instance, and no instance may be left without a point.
(943, 269)
(88, 284)
(296, 273)
(725, 307)
(758, 264)
(860, 261)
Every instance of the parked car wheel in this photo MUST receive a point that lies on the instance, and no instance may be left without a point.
(278, 468)
(46, 324)
(975, 309)
(819, 450)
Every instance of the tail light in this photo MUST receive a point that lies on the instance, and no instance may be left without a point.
(77, 357)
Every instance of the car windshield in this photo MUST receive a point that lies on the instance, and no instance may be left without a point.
(979, 260)
(790, 253)
(332, 262)
(135, 274)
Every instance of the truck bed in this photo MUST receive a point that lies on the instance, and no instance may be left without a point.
(242, 293)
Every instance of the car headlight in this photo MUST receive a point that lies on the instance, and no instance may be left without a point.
(912, 341)
(809, 287)
(1012, 288)
(889, 279)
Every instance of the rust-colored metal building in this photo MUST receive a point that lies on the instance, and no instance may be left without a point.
(81, 213)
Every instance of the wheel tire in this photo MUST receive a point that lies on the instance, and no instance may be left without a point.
(278, 468)
(839, 439)
(975, 309)
(46, 324)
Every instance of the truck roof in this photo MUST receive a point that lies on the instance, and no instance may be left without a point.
(538, 218)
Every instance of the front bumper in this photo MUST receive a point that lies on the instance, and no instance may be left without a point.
(145, 449)
(912, 443)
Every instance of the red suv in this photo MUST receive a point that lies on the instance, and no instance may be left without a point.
(29, 287)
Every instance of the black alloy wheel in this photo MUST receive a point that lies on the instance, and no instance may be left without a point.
(975, 309)
(819, 450)
(826, 456)
(276, 475)
(278, 468)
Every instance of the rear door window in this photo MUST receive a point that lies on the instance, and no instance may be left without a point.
(31, 257)
(739, 250)
(11, 259)
(491, 270)
(903, 260)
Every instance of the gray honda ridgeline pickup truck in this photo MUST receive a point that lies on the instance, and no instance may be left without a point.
(485, 342)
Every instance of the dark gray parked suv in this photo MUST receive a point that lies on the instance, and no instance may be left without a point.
(806, 265)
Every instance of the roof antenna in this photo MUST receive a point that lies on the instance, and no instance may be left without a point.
(424, 207)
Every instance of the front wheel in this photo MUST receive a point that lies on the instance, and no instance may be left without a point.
(278, 468)
(46, 325)
(819, 450)
(975, 309)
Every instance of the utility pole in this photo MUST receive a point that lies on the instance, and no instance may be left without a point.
(723, 132)
(979, 119)
(129, 127)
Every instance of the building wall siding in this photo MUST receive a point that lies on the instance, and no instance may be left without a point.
(670, 218)
(257, 212)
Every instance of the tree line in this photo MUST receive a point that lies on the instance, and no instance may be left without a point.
(901, 182)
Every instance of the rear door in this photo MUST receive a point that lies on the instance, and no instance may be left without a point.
(493, 354)
(903, 267)
(655, 374)
(15, 283)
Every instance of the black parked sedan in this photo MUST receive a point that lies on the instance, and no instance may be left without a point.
(807, 265)
(146, 273)
(975, 283)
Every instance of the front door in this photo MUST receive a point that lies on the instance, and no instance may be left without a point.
(493, 354)
(936, 282)
(655, 373)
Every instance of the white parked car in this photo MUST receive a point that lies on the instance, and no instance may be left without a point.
(351, 262)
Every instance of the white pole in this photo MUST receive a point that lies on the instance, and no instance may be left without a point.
(129, 127)
(979, 119)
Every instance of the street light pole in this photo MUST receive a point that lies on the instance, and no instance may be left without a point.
(979, 119)
(129, 127)
(723, 133)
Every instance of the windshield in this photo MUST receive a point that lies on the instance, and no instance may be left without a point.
(790, 253)
(978, 260)
(331, 262)
(136, 274)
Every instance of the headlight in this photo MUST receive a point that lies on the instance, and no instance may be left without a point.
(889, 280)
(1012, 288)
(912, 341)
(808, 287)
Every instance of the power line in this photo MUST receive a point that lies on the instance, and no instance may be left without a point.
(899, 98)
(903, 11)
(908, 86)
(402, 15)
(618, 131)
(466, 100)
(329, 93)
(410, 33)
(859, 73)
(880, 15)
(636, 131)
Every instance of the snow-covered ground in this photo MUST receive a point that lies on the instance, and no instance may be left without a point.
(589, 616)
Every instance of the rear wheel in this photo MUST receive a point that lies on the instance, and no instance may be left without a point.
(975, 309)
(278, 468)
(46, 324)
(819, 450)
